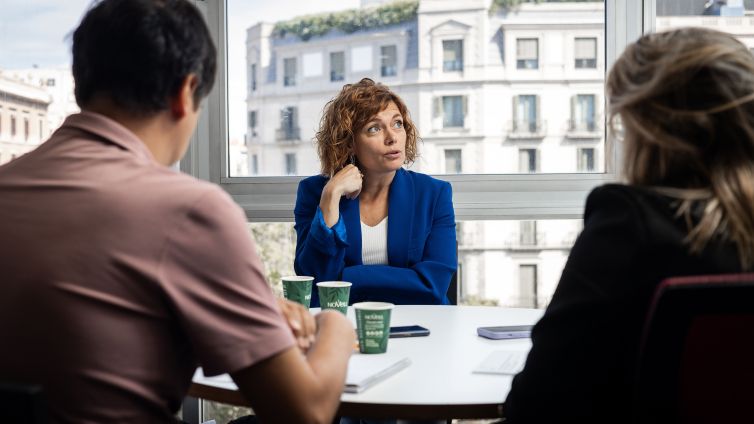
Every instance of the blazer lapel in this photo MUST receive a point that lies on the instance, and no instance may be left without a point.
(400, 215)
(351, 218)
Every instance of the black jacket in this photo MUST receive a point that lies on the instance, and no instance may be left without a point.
(585, 347)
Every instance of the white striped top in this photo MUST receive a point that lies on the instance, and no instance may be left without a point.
(374, 243)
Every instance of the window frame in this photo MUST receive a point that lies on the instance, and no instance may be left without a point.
(388, 71)
(342, 73)
(457, 64)
(577, 59)
(475, 196)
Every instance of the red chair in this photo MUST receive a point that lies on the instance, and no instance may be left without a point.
(22, 404)
(696, 363)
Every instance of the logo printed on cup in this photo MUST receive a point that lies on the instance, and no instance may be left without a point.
(373, 325)
(334, 295)
(298, 289)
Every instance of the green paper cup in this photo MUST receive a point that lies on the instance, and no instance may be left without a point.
(334, 295)
(298, 289)
(373, 325)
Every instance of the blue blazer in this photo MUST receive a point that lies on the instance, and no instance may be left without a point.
(421, 243)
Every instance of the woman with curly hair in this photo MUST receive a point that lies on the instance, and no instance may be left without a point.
(366, 220)
(684, 100)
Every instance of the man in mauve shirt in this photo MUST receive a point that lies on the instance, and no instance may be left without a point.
(119, 275)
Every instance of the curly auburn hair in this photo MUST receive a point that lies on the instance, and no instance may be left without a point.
(347, 113)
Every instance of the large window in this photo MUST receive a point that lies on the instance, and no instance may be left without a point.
(37, 87)
(460, 71)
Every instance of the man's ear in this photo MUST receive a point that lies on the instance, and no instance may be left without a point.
(183, 102)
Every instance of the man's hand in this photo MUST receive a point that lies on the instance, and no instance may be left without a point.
(300, 321)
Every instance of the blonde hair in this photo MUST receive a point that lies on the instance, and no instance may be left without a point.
(685, 102)
(347, 113)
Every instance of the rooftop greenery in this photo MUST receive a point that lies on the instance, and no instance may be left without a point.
(510, 4)
(349, 21)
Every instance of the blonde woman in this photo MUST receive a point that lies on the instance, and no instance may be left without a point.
(387, 230)
(685, 102)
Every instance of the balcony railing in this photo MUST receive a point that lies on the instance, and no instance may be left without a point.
(452, 65)
(388, 70)
(578, 128)
(527, 129)
(288, 134)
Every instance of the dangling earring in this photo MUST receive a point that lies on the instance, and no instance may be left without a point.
(352, 160)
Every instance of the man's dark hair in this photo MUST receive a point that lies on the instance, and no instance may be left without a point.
(138, 53)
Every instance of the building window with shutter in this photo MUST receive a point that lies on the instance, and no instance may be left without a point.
(585, 53)
(337, 66)
(290, 164)
(452, 55)
(388, 61)
(453, 161)
(527, 53)
(289, 72)
(528, 161)
(585, 160)
(453, 111)
(12, 126)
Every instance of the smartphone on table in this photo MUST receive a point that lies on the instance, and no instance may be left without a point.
(408, 331)
(505, 332)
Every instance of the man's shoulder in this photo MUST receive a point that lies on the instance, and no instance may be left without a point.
(183, 190)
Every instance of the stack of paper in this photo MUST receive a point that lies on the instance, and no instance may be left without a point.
(367, 370)
(502, 362)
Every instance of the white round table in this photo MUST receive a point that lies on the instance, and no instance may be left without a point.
(439, 383)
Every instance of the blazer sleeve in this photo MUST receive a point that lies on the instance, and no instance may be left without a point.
(320, 250)
(425, 282)
(583, 344)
